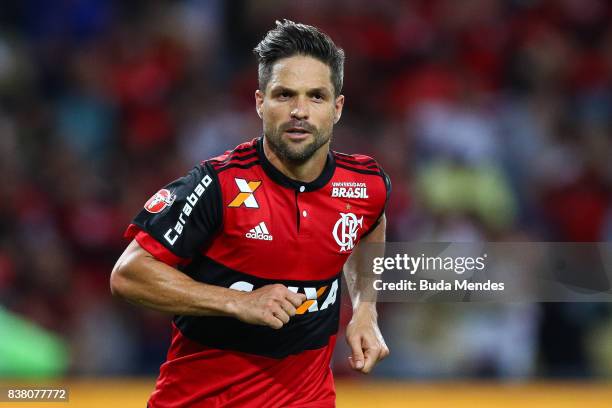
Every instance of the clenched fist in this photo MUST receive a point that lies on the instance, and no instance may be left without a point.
(270, 305)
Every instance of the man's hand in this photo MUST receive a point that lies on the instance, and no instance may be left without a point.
(367, 344)
(270, 305)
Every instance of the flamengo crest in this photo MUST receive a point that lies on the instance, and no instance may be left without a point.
(345, 230)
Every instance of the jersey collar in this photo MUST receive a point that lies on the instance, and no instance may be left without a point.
(280, 178)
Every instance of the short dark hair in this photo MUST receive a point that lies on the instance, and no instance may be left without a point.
(289, 39)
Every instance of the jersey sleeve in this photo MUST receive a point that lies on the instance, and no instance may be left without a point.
(180, 218)
(387, 182)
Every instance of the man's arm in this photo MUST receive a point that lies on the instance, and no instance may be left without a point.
(362, 334)
(140, 278)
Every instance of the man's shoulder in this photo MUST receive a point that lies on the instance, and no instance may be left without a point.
(244, 155)
(359, 163)
(362, 167)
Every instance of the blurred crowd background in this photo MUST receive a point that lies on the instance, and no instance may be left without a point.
(492, 118)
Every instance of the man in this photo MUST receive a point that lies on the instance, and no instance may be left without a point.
(247, 249)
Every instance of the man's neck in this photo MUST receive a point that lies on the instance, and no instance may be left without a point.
(306, 172)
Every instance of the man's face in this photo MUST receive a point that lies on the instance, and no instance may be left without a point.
(298, 108)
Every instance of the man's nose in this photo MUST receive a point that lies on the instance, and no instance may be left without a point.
(300, 109)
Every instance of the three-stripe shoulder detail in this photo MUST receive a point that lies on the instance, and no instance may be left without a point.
(244, 158)
(357, 163)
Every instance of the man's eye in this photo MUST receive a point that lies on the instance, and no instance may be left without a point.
(285, 95)
(317, 97)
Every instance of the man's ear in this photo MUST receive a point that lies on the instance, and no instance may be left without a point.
(338, 108)
(259, 98)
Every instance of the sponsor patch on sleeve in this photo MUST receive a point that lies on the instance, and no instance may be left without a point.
(160, 200)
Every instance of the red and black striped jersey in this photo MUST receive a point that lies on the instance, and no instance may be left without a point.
(236, 221)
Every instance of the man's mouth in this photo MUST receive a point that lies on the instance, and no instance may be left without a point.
(297, 134)
(297, 131)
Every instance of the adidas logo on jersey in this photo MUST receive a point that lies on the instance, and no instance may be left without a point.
(259, 232)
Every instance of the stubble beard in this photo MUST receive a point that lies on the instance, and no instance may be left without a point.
(298, 154)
